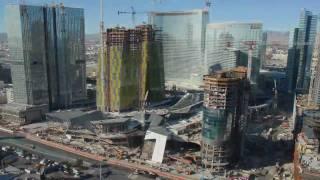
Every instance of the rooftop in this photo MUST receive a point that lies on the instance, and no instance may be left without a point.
(172, 13)
(225, 24)
(110, 121)
(16, 107)
(68, 114)
(234, 74)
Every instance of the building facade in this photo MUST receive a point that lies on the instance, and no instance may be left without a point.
(183, 43)
(5, 73)
(47, 54)
(263, 50)
(65, 56)
(293, 60)
(132, 70)
(226, 46)
(26, 41)
(308, 28)
(224, 118)
(314, 90)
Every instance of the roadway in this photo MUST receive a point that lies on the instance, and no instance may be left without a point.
(52, 148)
(55, 154)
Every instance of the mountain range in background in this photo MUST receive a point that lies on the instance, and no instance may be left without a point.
(273, 37)
(89, 37)
(93, 37)
(277, 38)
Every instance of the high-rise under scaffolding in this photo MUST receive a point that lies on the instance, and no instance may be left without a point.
(226, 97)
(133, 67)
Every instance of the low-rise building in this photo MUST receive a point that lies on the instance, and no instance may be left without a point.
(23, 113)
(3, 97)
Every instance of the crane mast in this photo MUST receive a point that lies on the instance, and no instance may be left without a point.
(251, 46)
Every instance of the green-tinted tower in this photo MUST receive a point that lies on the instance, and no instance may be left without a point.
(130, 55)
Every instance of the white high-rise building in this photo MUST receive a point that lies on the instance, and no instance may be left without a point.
(183, 44)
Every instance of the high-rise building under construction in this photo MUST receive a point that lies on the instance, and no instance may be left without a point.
(224, 118)
(47, 54)
(183, 42)
(133, 69)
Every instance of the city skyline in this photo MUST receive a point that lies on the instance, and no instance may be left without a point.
(193, 92)
(281, 18)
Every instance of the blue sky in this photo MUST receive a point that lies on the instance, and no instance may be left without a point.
(274, 14)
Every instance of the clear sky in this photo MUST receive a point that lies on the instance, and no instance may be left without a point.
(274, 14)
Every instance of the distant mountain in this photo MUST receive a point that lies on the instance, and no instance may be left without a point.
(89, 37)
(3, 37)
(93, 37)
(277, 37)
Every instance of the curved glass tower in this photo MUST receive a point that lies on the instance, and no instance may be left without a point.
(47, 54)
(183, 42)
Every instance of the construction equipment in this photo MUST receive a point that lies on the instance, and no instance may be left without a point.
(208, 5)
(133, 14)
(275, 98)
(144, 103)
(182, 160)
(251, 45)
(120, 154)
(102, 108)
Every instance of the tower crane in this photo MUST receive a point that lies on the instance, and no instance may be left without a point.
(208, 4)
(251, 46)
(275, 98)
(133, 13)
(102, 73)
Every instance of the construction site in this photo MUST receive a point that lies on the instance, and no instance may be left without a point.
(306, 153)
(193, 134)
(155, 137)
(227, 128)
(306, 150)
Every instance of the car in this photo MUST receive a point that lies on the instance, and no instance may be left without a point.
(44, 161)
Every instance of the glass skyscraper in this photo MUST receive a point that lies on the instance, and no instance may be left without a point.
(314, 90)
(47, 54)
(293, 60)
(305, 43)
(183, 43)
(26, 41)
(226, 48)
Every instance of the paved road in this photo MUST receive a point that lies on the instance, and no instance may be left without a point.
(55, 154)
(112, 162)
